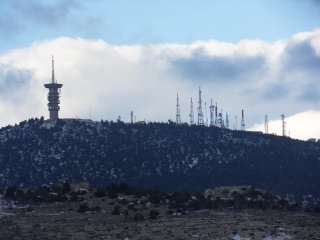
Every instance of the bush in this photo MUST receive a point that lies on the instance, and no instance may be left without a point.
(20, 195)
(66, 188)
(170, 212)
(153, 214)
(316, 209)
(100, 192)
(131, 207)
(83, 208)
(96, 209)
(73, 197)
(113, 195)
(11, 192)
(116, 210)
(29, 196)
(42, 192)
(124, 201)
(138, 217)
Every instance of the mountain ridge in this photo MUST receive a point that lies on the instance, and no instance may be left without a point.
(167, 155)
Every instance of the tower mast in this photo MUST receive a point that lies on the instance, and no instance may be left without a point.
(211, 107)
(52, 66)
(178, 119)
(131, 115)
(191, 115)
(53, 96)
(216, 115)
(200, 113)
(283, 125)
(236, 119)
(220, 119)
(266, 124)
(227, 120)
(205, 114)
(243, 126)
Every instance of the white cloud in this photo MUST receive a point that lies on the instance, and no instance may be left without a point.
(302, 125)
(108, 80)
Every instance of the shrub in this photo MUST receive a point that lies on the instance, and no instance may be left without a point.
(153, 214)
(66, 188)
(11, 192)
(131, 206)
(126, 212)
(138, 217)
(124, 201)
(116, 210)
(100, 192)
(113, 195)
(83, 208)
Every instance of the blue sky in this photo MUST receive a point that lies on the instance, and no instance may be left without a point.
(154, 21)
(114, 56)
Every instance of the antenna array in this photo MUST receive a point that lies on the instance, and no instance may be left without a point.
(178, 119)
(200, 113)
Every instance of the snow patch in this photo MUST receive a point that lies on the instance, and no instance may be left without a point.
(47, 125)
(195, 162)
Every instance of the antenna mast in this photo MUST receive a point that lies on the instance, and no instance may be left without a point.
(266, 124)
(200, 113)
(243, 126)
(236, 118)
(227, 120)
(216, 115)
(131, 113)
(178, 120)
(220, 119)
(283, 125)
(205, 114)
(211, 114)
(191, 115)
(52, 80)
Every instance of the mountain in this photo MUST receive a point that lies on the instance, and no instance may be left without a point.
(169, 156)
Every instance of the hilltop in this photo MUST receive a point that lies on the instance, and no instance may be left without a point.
(169, 156)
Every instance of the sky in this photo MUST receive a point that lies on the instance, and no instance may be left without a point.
(112, 57)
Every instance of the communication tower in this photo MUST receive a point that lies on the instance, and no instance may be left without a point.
(220, 120)
(227, 120)
(211, 107)
(236, 119)
(200, 113)
(216, 115)
(205, 114)
(283, 125)
(131, 113)
(266, 124)
(243, 126)
(53, 96)
(178, 119)
(191, 115)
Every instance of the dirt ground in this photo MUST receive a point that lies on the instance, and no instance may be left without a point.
(62, 221)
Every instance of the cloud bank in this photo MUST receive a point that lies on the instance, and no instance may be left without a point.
(107, 81)
(306, 120)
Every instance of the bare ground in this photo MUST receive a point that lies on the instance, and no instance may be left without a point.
(62, 221)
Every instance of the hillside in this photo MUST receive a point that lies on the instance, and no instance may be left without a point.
(170, 156)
